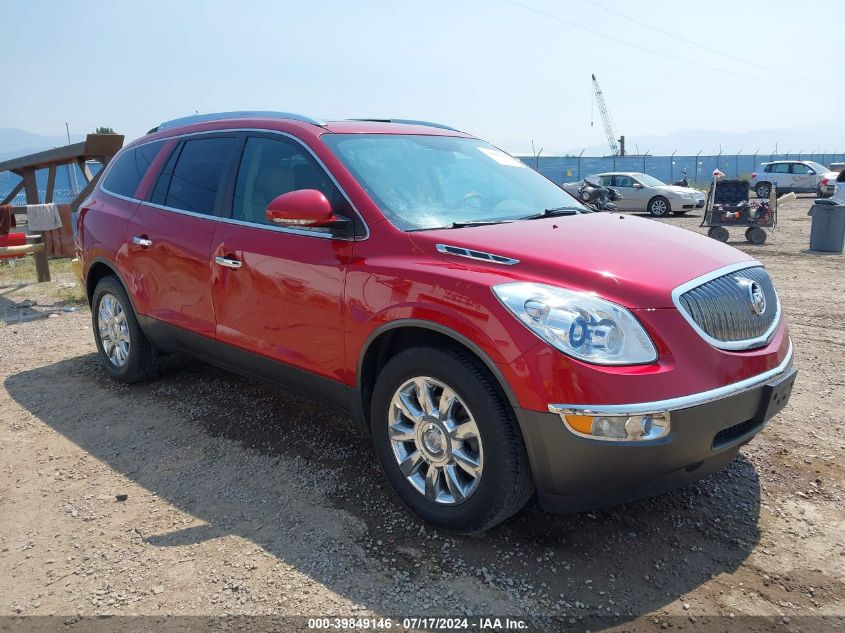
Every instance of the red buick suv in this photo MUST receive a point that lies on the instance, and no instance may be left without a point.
(491, 335)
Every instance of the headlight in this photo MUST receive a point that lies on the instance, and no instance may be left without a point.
(579, 324)
(687, 195)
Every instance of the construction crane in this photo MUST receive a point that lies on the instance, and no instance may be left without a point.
(617, 148)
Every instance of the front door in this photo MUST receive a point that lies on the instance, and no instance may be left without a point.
(633, 198)
(803, 178)
(171, 237)
(278, 292)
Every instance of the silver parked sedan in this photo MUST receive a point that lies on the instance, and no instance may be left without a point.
(641, 192)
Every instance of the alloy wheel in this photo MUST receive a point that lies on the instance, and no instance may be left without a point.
(659, 207)
(113, 330)
(435, 440)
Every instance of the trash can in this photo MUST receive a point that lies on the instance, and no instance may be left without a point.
(827, 232)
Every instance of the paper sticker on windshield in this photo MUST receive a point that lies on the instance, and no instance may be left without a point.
(502, 158)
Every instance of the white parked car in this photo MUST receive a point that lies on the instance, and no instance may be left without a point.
(641, 192)
(799, 176)
(839, 189)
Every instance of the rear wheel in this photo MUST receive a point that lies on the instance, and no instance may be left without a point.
(659, 207)
(448, 441)
(763, 190)
(719, 233)
(125, 352)
(756, 235)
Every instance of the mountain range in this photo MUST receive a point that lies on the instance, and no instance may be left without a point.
(15, 142)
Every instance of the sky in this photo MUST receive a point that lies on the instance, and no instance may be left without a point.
(509, 71)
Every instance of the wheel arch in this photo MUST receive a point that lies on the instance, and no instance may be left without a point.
(99, 269)
(655, 197)
(387, 340)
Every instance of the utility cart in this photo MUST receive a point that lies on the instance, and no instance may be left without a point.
(728, 205)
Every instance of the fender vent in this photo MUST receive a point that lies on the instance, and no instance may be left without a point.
(459, 251)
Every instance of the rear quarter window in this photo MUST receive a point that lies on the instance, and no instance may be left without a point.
(129, 168)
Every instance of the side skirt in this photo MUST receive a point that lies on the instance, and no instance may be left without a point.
(170, 338)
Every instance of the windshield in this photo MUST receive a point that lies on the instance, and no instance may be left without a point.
(819, 169)
(649, 181)
(425, 182)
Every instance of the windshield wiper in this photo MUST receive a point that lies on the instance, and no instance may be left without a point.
(557, 211)
(460, 225)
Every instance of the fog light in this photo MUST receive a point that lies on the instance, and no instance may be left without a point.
(613, 427)
(650, 426)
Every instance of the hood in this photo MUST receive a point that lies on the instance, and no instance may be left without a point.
(633, 261)
(678, 189)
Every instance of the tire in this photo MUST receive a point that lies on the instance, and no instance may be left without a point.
(763, 190)
(111, 308)
(659, 207)
(503, 484)
(719, 233)
(756, 235)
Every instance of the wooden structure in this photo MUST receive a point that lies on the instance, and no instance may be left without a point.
(100, 147)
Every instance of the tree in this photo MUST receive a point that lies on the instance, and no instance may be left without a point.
(104, 130)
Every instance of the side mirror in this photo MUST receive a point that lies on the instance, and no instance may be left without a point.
(637, 185)
(305, 207)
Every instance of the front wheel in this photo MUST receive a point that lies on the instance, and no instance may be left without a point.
(448, 441)
(659, 207)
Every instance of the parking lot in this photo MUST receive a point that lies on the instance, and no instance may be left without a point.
(244, 500)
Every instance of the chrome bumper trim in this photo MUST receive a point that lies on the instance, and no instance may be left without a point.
(674, 404)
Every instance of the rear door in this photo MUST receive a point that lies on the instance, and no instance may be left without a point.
(278, 291)
(780, 176)
(803, 178)
(170, 243)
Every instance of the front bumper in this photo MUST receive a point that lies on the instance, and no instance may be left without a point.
(575, 473)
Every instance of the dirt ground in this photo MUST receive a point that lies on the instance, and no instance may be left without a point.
(240, 500)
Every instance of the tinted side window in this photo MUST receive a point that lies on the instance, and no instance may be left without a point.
(159, 192)
(271, 167)
(800, 168)
(129, 169)
(197, 174)
(780, 168)
(623, 181)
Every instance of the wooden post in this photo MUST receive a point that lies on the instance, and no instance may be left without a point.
(42, 264)
(51, 183)
(86, 191)
(83, 167)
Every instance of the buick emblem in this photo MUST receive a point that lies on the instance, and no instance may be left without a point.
(757, 298)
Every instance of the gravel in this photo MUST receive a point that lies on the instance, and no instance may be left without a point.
(204, 493)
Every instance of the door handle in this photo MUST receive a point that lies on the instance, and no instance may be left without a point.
(228, 263)
(143, 242)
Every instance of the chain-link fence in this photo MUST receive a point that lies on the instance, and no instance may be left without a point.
(69, 182)
(699, 168)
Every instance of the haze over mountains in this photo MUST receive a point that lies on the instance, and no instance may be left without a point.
(817, 139)
(15, 142)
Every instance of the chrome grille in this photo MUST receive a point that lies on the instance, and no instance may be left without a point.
(721, 308)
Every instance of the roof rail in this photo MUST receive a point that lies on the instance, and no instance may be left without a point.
(244, 114)
(411, 122)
